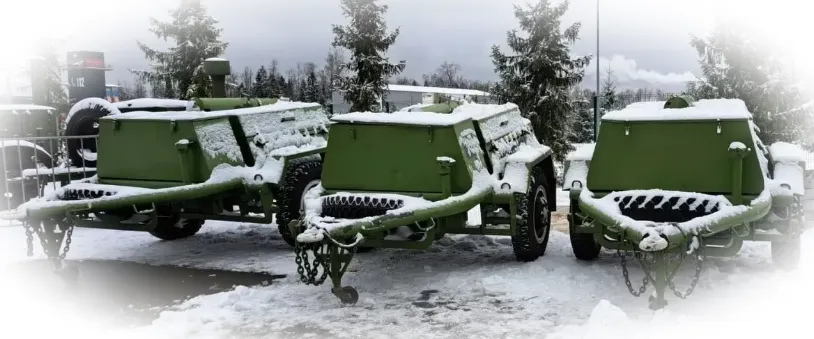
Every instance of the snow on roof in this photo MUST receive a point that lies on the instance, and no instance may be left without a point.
(439, 90)
(402, 118)
(460, 114)
(723, 109)
(216, 59)
(24, 107)
(783, 151)
(151, 102)
(583, 152)
(189, 115)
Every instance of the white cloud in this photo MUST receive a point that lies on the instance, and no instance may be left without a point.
(627, 70)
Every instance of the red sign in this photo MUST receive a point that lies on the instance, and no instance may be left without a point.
(94, 62)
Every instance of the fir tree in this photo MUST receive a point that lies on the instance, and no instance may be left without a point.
(582, 130)
(272, 88)
(608, 95)
(540, 71)
(737, 63)
(368, 41)
(259, 88)
(311, 85)
(181, 67)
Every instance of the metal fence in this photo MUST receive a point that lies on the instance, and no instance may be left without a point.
(33, 166)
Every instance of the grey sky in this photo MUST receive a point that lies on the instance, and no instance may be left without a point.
(646, 41)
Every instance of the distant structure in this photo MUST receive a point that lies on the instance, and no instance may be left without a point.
(24, 83)
(401, 96)
(86, 75)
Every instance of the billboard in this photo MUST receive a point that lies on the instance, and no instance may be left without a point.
(86, 75)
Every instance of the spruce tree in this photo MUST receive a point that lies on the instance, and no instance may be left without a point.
(196, 39)
(368, 41)
(737, 63)
(311, 85)
(539, 72)
(259, 88)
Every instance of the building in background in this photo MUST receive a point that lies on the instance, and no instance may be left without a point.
(86, 75)
(400, 96)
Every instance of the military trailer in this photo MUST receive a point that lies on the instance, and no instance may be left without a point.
(83, 118)
(406, 179)
(41, 147)
(167, 173)
(678, 179)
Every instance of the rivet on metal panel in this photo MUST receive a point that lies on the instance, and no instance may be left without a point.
(719, 126)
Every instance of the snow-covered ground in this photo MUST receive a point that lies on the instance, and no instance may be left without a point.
(463, 287)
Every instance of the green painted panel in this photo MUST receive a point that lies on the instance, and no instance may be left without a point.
(393, 158)
(144, 150)
(672, 155)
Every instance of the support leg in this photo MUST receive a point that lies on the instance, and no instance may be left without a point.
(339, 259)
(659, 277)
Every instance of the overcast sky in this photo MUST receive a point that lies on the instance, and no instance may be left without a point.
(645, 42)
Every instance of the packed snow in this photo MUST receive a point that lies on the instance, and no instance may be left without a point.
(786, 152)
(581, 152)
(22, 108)
(33, 172)
(440, 90)
(462, 287)
(154, 103)
(10, 143)
(193, 115)
(653, 242)
(218, 139)
(577, 171)
(92, 103)
(737, 145)
(709, 109)
(458, 115)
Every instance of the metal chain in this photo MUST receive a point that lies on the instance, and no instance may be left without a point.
(699, 260)
(308, 274)
(626, 274)
(67, 243)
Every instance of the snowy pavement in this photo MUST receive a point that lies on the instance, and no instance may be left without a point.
(463, 287)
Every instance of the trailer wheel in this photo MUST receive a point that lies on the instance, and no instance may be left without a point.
(786, 255)
(584, 246)
(299, 178)
(83, 120)
(175, 227)
(532, 237)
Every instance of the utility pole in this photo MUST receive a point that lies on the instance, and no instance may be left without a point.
(596, 97)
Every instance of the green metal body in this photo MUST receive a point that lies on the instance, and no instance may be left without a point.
(452, 160)
(705, 156)
(204, 162)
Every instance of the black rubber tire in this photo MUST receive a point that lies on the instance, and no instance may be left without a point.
(786, 255)
(528, 245)
(10, 160)
(81, 124)
(584, 246)
(174, 228)
(295, 181)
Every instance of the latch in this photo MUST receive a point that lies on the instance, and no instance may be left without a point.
(719, 126)
(173, 126)
(627, 128)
